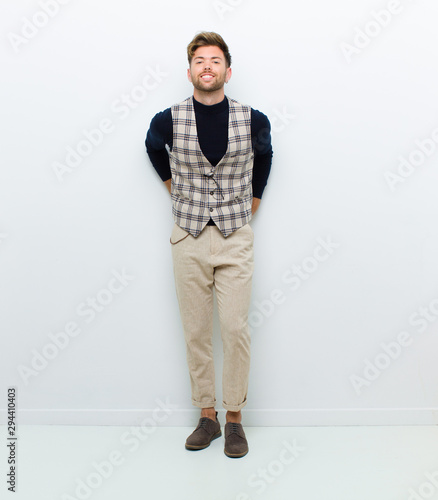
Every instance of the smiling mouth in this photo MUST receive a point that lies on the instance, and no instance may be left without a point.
(207, 77)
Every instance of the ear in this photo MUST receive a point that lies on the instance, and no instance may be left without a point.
(189, 75)
(228, 75)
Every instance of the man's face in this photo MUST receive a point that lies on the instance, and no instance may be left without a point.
(208, 71)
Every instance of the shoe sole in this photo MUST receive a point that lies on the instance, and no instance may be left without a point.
(234, 455)
(202, 447)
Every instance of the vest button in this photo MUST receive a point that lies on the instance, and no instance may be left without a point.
(211, 210)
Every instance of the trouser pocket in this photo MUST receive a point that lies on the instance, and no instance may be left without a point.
(178, 234)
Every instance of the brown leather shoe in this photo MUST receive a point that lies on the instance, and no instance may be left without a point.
(203, 435)
(236, 445)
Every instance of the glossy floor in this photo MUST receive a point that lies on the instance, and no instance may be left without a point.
(305, 463)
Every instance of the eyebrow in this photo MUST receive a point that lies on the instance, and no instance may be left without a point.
(202, 57)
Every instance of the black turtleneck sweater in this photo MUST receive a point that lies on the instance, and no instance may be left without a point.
(212, 126)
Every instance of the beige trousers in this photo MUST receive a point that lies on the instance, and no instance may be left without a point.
(201, 263)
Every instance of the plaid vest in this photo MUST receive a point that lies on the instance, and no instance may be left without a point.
(200, 190)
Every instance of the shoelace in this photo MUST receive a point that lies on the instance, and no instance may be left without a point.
(234, 428)
(203, 422)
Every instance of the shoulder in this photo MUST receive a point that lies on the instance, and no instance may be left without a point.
(161, 118)
(183, 104)
(259, 119)
(261, 133)
(160, 128)
(236, 104)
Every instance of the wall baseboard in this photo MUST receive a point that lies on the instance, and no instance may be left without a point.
(165, 415)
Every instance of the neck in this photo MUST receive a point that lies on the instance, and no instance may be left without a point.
(209, 98)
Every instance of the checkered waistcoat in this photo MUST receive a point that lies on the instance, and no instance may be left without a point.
(200, 190)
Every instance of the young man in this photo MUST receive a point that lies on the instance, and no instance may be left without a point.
(215, 166)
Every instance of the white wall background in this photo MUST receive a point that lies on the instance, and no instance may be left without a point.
(346, 121)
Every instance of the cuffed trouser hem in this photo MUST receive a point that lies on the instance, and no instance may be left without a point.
(234, 407)
(213, 404)
(204, 405)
